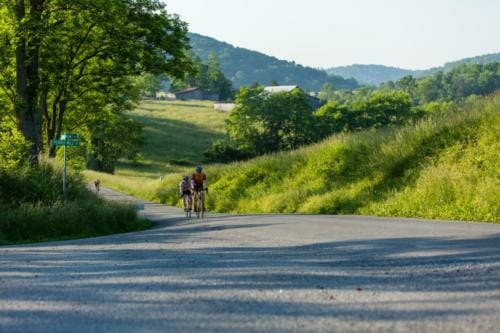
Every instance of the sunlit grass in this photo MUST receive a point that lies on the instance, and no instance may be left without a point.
(446, 166)
(177, 133)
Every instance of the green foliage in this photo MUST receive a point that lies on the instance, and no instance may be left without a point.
(111, 139)
(327, 92)
(377, 74)
(208, 78)
(13, 148)
(31, 208)
(455, 85)
(264, 122)
(80, 60)
(245, 67)
(444, 166)
(35, 223)
(377, 109)
(225, 152)
(150, 84)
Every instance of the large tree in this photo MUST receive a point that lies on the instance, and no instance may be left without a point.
(264, 122)
(21, 35)
(74, 58)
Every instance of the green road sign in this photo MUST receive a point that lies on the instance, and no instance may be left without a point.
(70, 136)
(67, 143)
(67, 140)
(73, 143)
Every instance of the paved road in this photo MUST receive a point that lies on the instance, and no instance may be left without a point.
(268, 273)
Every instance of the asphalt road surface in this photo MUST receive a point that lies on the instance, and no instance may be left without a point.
(264, 273)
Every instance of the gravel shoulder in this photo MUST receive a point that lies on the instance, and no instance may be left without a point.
(258, 273)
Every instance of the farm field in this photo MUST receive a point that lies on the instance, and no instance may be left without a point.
(177, 133)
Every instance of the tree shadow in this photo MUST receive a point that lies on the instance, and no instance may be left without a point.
(233, 281)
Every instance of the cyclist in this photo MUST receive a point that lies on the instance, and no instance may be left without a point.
(97, 185)
(185, 190)
(199, 180)
(199, 183)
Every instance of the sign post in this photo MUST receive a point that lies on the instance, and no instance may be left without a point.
(66, 140)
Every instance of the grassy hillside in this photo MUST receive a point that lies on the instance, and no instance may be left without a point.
(446, 166)
(177, 133)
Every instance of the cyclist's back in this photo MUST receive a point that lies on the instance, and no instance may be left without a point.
(184, 186)
(199, 180)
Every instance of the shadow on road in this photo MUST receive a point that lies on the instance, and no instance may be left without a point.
(106, 273)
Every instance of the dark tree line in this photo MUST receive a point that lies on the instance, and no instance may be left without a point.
(208, 77)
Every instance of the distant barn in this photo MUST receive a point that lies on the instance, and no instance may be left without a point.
(313, 101)
(196, 94)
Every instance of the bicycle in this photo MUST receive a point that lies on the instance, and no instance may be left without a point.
(186, 198)
(199, 203)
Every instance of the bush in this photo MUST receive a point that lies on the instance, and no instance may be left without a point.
(38, 185)
(32, 210)
(36, 222)
(225, 152)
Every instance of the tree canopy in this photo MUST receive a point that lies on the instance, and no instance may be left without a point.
(67, 64)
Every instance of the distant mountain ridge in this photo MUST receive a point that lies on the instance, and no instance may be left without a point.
(376, 74)
(245, 67)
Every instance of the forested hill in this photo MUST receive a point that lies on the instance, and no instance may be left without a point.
(372, 74)
(246, 67)
(376, 74)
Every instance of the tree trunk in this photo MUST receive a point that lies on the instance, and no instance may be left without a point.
(27, 77)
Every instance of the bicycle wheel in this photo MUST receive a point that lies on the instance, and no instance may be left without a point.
(196, 201)
(186, 208)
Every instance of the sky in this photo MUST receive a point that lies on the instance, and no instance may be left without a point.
(413, 34)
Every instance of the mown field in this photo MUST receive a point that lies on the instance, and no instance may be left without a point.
(177, 133)
(445, 166)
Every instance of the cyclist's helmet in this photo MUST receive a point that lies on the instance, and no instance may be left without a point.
(199, 169)
(186, 178)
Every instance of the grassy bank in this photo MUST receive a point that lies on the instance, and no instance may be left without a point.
(177, 133)
(32, 211)
(443, 167)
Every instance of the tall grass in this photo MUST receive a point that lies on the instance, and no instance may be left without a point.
(31, 208)
(444, 166)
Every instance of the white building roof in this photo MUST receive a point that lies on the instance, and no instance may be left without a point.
(277, 89)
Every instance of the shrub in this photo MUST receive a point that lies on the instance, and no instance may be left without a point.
(32, 211)
(225, 152)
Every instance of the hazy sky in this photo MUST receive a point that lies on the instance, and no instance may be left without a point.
(412, 34)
